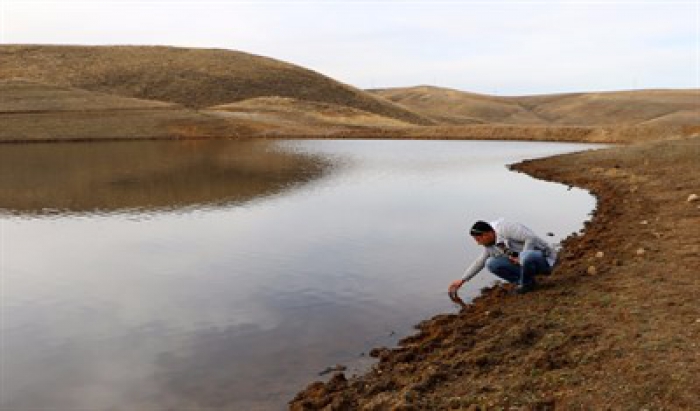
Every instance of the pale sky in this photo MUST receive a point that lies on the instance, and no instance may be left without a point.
(494, 47)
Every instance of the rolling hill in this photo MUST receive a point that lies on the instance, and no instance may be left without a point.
(284, 114)
(194, 78)
(620, 108)
(454, 107)
(51, 93)
(32, 111)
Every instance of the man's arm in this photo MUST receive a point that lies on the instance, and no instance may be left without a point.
(470, 272)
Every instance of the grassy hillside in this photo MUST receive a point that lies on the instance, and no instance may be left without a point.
(453, 107)
(127, 92)
(195, 78)
(286, 113)
(18, 96)
(643, 107)
(39, 112)
(639, 107)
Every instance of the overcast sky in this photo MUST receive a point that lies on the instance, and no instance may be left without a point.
(494, 47)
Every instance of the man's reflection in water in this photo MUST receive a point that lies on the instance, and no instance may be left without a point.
(457, 300)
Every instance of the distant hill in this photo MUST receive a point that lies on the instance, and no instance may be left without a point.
(285, 113)
(195, 78)
(454, 107)
(643, 107)
(69, 93)
(639, 107)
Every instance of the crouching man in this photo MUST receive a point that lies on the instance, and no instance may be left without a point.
(512, 252)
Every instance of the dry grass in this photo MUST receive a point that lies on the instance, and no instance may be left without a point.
(38, 112)
(195, 78)
(290, 113)
(643, 107)
(91, 93)
(27, 97)
(453, 107)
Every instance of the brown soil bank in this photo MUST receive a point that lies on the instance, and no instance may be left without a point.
(616, 326)
(518, 132)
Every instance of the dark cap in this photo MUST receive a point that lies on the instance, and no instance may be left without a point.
(480, 227)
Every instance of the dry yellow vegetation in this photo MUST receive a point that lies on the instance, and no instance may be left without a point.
(639, 107)
(195, 78)
(283, 115)
(127, 92)
(41, 112)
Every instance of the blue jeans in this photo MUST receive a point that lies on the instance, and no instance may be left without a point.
(531, 262)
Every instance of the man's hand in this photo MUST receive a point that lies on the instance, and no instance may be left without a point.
(455, 286)
(453, 292)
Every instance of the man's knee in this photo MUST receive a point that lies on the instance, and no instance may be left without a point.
(494, 264)
(527, 257)
(534, 262)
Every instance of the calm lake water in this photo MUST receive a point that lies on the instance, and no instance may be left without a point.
(227, 275)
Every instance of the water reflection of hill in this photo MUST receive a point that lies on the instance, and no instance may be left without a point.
(145, 175)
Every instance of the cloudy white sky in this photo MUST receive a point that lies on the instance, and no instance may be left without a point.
(496, 47)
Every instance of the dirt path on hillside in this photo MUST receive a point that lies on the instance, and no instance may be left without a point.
(616, 326)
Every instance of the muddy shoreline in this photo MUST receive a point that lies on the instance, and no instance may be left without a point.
(615, 327)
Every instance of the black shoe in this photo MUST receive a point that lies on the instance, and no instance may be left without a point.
(524, 288)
